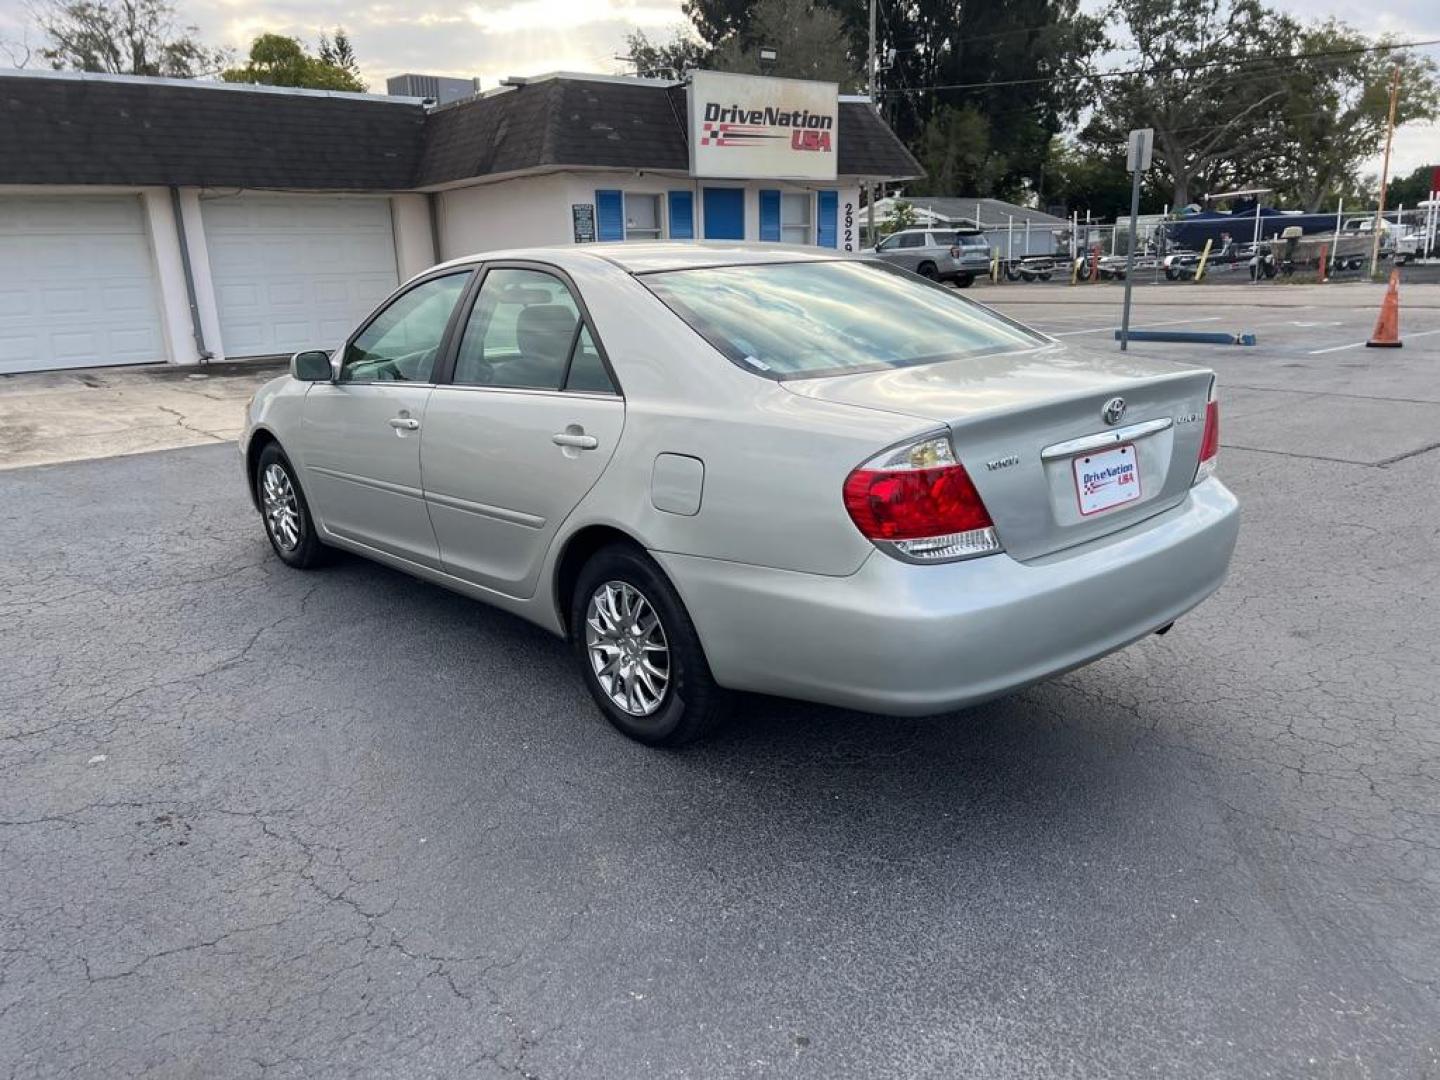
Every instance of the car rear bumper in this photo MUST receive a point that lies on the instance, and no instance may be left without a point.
(910, 640)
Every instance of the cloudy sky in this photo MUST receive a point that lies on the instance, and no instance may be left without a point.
(496, 38)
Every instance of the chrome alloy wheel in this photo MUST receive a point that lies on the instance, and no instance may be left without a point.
(282, 508)
(627, 648)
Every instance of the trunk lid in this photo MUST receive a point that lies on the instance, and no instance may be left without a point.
(1020, 422)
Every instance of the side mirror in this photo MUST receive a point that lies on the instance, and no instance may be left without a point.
(312, 365)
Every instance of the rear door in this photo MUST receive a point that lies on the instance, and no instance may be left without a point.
(360, 435)
(519, 430)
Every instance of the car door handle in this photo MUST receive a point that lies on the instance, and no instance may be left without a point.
(404, 423)
(571, 439)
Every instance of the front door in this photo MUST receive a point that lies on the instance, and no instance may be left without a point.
(521, 432)
(361, 434)
(724, 213)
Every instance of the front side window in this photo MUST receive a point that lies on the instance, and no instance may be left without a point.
(912, 240)
(642, 217)
(522, 332)
(795, 217)
(802, 319)
(403, 341)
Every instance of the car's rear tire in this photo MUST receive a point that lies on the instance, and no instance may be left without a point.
(928, 270)
(964, 281)
(638, 651)
(288, 523)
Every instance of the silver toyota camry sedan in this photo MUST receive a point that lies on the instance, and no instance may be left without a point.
(716, 468)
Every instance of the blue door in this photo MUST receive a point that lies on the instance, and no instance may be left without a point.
(682, 215)
(827, 232)
(724, 213)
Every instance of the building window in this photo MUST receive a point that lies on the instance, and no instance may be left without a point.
(642, 217)
(795, 223)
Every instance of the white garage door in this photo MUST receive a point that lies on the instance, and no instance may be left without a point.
(77, 283)
(296, 272)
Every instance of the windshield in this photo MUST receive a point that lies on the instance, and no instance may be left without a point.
(799, 320)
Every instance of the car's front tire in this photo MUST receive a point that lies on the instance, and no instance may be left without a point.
(288, 522)
(639, 654)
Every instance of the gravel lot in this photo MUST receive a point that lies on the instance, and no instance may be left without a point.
(255, 822)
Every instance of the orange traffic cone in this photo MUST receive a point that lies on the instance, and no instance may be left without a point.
(1387, 327)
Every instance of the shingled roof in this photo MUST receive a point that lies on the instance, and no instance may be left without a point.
(624, 124)
(79, 129)
(69, 129)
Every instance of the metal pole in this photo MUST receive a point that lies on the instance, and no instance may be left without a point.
(1384, 173)
(1335, 251)
(870, 59)
(1130, 261)
(1010, 240)
(1255, 243)
(870, 189)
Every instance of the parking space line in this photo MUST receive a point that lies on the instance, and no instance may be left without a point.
(1357, 344)
(1147, 326)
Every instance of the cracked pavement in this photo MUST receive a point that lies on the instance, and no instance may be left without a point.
(263, 823)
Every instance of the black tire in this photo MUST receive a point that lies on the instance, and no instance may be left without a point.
(307, 551)
(928, 270)
(1046, 276)
(964, 281)
(690, 704)
(1171, 274)
(1011, 274)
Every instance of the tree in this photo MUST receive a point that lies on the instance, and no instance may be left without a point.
(1411, 189)
(810, 42)
(718, 20)
(338, 53)
(1206, 86)
(277, 60)
(1084, 178)
(955, 150)
(1335, 112)
(123, 37)
(664, 60)
(902, 216)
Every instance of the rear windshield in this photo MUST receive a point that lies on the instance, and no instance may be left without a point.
(799, 320)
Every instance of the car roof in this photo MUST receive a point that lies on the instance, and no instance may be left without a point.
(648, 257)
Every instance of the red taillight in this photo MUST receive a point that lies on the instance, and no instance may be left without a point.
(954, 252)
(914, 504)
(921, 503)
(1210, 442)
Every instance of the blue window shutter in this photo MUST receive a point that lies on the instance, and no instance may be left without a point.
(827, 224)
(682, 215)
(610, 215)
(769, 215)
(724, 213)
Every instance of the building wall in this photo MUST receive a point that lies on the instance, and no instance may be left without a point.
(537, 210)
(521, 212)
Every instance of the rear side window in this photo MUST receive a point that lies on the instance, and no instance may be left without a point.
(526, 332)
(911, 240)
(802, 319)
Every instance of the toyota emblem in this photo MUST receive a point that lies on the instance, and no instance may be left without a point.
(1114, 411)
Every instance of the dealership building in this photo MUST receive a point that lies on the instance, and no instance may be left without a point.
(148, 220)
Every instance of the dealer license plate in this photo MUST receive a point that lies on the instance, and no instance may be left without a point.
(1107, 479)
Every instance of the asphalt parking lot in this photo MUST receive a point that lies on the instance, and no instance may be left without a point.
(261, 823)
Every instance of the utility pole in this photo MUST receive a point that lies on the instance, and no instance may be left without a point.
(870, 189)
(1384, 174)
